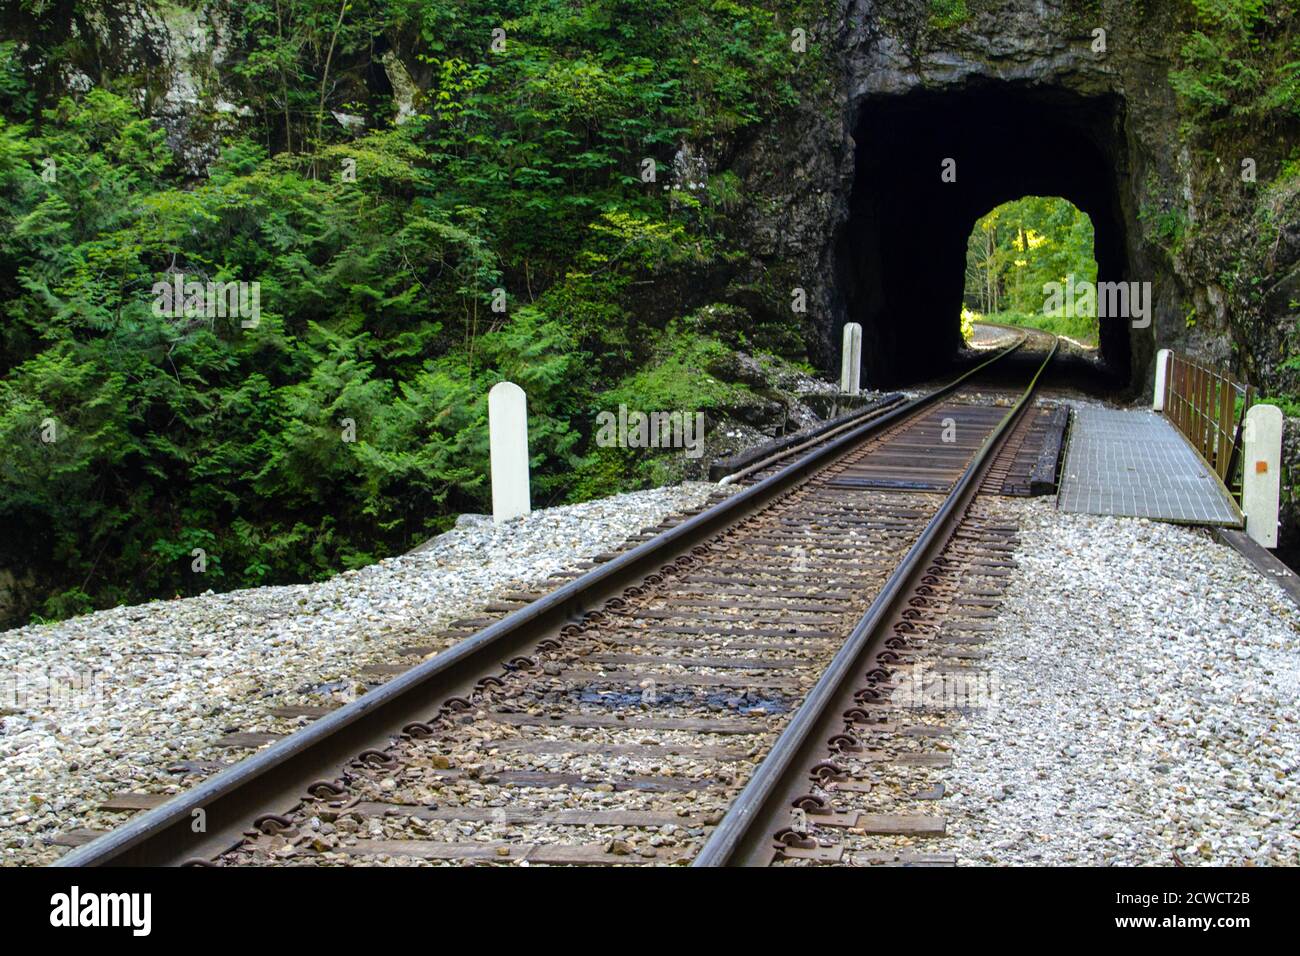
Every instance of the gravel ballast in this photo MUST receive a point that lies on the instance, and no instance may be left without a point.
(1145, 714)
(106, 702)
(1146, 682)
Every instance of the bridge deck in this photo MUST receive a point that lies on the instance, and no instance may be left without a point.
(1135, 463)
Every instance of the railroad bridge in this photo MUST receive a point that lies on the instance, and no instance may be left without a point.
(775, 677)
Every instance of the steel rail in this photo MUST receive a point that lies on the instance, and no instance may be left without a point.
(273, 780)
(744, 837)
(822, 435)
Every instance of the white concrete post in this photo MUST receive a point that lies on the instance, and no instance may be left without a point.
(851, 360)
(1261, 472)
(508, 449)
(1163, 358)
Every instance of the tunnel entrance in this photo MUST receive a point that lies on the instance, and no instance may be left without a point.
(1030, 263)
(900, 257)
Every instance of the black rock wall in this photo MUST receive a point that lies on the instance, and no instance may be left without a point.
(901, 254)
(846, 196)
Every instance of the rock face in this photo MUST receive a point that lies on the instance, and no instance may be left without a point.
(844, 197)
(845, 204)
(17, 594)
(172, 57)
(1025, 97)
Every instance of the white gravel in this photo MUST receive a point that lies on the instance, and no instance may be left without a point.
(107, 701)
(1147, 683)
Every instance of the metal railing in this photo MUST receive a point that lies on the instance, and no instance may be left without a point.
(1208, 406)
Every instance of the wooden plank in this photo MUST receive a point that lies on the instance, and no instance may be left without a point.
(753, 604)
(671, 614)
(636, 751)
(552, 854)
(131, 800)
(645, 783)
(725, 587)
(694, 725)
(513, 816)
(247, 739)
(724, 643)
(902, 824)
(725, 633)
(1264, 561)
(758, 453)
(867, 570)
(1042, 478)
(78, 837)
(744, 681)
(738, 663)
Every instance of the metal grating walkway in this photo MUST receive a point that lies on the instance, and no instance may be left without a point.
(1135, 463)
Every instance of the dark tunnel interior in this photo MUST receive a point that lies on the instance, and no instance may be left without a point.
(901, 255)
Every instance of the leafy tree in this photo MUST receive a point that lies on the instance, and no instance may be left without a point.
(1016, 249)
(348, 422)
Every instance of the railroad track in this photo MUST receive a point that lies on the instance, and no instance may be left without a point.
(725, 692)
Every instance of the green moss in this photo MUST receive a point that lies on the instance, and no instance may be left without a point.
(679, 378)
(1239, 63)
(945, 14)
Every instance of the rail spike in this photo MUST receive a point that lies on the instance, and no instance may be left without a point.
(324, 789)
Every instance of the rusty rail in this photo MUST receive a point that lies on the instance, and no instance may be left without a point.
(1208, 406)
(745, 837)
(275, 780)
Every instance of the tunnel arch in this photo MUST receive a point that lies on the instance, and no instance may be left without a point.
(1016, 248)
(899, 257)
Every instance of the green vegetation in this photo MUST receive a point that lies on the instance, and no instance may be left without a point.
(520, 171)
(1020, 247)
(1241, 62)
(945, 14)
(1239, 82)
(1238, 85)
